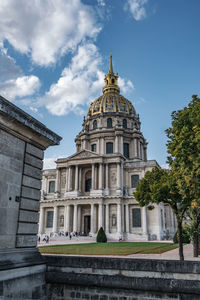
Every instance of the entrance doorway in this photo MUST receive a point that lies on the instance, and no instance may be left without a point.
(86, 224)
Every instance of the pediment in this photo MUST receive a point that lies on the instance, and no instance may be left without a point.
(83, 154)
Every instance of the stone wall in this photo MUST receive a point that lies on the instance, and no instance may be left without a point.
(120, 278)
(23, 140)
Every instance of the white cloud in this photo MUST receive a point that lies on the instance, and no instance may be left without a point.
(101, 2)
(46, 29)
(49, 163)
(8, 67)
(20, 87)
(79, 84)
(124, 85)
(137, 9)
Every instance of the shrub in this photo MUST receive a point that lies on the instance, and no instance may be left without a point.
(101, 236)
(186, 236)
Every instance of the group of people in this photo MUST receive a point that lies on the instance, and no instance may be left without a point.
(67, 234)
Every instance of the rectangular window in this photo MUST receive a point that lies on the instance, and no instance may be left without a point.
(136, 217)
(93, 147)
(126, 150)
(109, 148)
(49, 219)
(134, 181)
(51, 186)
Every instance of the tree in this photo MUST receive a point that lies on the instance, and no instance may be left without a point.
(158, 186)
(184, 159)
(101, 236)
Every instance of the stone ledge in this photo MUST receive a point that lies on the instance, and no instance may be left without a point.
(19, 115)
(18, 258)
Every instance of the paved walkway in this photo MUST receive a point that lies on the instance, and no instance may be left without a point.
(169, 255)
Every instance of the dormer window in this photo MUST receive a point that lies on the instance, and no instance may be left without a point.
(109, 123)
(95, 124)
(124, 123)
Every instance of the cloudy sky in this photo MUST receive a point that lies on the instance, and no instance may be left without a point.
(54, 54)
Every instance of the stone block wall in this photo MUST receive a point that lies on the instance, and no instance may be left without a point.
(73, 277)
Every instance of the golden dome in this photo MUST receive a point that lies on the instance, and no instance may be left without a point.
(111, 100)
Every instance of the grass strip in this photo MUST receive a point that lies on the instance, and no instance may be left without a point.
(114, 248)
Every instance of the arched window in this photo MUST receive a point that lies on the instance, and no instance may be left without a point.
(126, 150)
(136, 217)
(95, 124)
(88, 181)
(109, 148)
(113, 81)
(109, 123)
(51, 186)
(61, 221)
(124, 123)
(49, 221)
(134, 181)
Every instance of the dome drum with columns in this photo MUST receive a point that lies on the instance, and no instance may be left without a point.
(94, 187)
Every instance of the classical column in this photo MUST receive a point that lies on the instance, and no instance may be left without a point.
(47, 187)
(67, 217)
(138, 146)
(79, 219)
(107, 218)
(102, 145)
(100, 176)
(135, 147)
(144, 220)
(80, 179)
(107, 177)
(57, 187)
(69, 178)
(122, 175)
(93, 186)
(95, 176)
(41, 222)
(142, 151)
(75, 218)
(122, 144)
(127, 219)
(76, 178)
(119, 218)
(55, 218)
(118, 176)
(92, 218)
(98, 146)
(100, 215)
(116, 144)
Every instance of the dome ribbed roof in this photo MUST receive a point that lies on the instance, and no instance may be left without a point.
(111, 102)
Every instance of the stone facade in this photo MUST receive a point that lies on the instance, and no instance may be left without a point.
(94, 187)
(22, 142)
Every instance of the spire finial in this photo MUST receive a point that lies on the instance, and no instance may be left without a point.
(111, 66)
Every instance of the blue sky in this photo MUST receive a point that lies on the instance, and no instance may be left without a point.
(54, 54)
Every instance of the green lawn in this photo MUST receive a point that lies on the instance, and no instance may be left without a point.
(116, 248)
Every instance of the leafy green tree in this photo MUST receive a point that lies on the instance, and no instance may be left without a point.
(184, 159)
(101, 236)
(159, 186)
